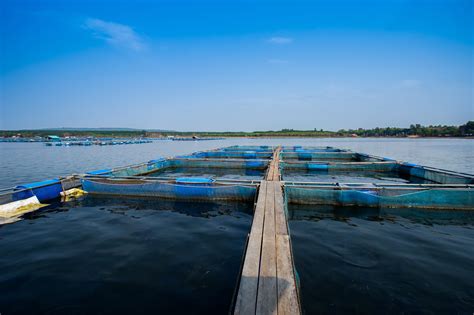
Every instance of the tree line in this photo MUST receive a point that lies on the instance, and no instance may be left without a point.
(466, 130)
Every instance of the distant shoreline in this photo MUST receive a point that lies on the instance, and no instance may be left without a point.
(412, 132)
(190, 138)
(349, 137)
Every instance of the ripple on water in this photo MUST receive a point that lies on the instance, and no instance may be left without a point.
(106, 256)
(353, 260)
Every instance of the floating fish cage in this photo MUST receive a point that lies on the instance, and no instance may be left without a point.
(272, 178)
(310, 175)
(67, 143)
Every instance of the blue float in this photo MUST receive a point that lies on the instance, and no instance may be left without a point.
(318, 166)
(44, 190)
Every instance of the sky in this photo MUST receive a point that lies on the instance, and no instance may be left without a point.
(235, 65)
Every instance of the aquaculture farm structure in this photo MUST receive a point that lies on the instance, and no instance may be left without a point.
(271, 178)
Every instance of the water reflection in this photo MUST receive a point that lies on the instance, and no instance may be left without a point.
(390, 261)
(216, 173)
(122, 255)
(414, 215)
(128, 205)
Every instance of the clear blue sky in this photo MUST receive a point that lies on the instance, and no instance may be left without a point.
(235, 65)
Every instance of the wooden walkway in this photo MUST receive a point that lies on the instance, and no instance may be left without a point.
(268, 283)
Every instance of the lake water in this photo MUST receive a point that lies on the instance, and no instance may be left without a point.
(215, 173)
(369, 261)
(111, 255)
(25, 162)
(123, 256)
(335, 176)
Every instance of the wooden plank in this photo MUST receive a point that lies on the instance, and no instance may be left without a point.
(267, 300)
(274, 177)
(276, 174)
(268, 284)
(287, 295)
(273, 165)
(259, 214)
(269, 223)
(247, 296)
(273, 172)
(276, 164)
(281, 226)
(269, 175)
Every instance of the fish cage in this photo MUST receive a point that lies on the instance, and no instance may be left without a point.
(313, 175)
(272, 179)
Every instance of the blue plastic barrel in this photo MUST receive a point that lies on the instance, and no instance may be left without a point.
(250, 155)
(45, 190)
(317, 166)
(255, 164)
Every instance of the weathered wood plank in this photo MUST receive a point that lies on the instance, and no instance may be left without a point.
(276, 160)
(267, 300)
(269, 223)
(273, 171)
(247, 295)
(260, 206)
(269, 175)
(287, 295)
(268, 284)
(274, 175)
(281, 226)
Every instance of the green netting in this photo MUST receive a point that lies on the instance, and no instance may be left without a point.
(435, 175)
(421, 197)
(206, 163)
(141, 169)
(310, 149)
(154, 166)
(342, 166)
(261, 148)
(320, 156)
(405, 170)
(171, 190)
(232, 154)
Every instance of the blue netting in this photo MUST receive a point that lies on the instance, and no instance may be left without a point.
(171, 190)
(341, 166)
(441, 198)
(250, 164)
(322, 156)
(231, 154)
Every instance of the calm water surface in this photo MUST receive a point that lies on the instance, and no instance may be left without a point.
(25, 162)
(123, 256)
(215, 173)
(349, 177)
(363, 261)
(104, 256)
